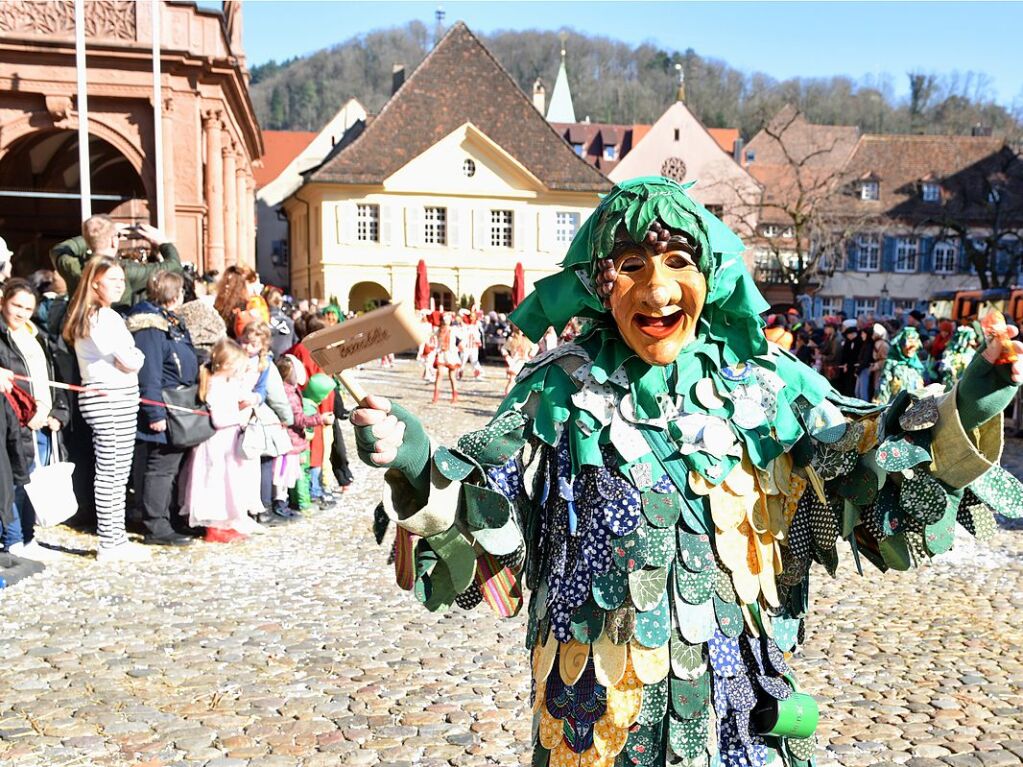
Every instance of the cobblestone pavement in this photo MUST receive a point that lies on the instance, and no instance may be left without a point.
(296, 649)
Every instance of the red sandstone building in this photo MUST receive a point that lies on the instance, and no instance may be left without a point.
(210, 139)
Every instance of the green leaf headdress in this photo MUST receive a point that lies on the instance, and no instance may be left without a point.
(731, 314)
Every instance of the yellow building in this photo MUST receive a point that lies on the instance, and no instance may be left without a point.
(458, 170)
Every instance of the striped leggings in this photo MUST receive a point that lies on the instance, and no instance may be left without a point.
(112, 418)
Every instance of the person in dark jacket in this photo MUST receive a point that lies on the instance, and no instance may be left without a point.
(25, 351)
(170, 362)
(848, 359)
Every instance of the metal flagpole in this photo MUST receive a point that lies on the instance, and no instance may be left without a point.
(84, 170)
(157, 114)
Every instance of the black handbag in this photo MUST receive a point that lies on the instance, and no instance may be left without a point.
(187, 429)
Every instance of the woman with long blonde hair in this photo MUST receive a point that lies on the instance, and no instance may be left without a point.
(109, 362)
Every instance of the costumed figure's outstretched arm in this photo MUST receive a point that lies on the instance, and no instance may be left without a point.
(662, 487)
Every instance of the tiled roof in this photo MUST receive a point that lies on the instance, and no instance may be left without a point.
(726, 137)
(459, 82)
(594, 136)
(789, 139)
(282, 146)
(966, 168)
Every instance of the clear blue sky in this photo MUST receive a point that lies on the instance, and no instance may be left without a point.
(783, 39)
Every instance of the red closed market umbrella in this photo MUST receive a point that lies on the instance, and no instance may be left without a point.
(422, 294)
(519, 285)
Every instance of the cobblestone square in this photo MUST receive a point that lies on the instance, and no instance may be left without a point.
(297, 649)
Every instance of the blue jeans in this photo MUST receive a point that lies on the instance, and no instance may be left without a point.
(22, 529)
(316, 483)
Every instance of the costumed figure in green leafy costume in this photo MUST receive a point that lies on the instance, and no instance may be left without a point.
(661, 487)
(957, 355)
(903, 370)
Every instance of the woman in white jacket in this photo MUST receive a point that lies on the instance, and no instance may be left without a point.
(109, 362)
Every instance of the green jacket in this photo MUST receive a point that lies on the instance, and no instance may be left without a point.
(70, 256)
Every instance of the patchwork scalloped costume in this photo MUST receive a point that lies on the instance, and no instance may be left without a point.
(664, 519)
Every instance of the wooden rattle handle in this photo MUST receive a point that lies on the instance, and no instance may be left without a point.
(351, 383)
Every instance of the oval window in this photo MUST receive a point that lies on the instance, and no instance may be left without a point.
(469, 168)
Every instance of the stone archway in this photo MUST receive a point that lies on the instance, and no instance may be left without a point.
(443, 297)
(497, 298)
(367, 295)
(39, 185)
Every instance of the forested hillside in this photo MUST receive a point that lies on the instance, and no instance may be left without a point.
(615, 82)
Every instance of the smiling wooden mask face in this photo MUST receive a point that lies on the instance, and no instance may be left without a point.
(657, 297)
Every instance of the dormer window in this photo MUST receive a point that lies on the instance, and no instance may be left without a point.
(578, 148)
(870, 190)
(930, 192)
(610, 151)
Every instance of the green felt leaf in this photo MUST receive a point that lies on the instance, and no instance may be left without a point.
(642, 749)
(939, 537)
(900, 454)
(695, 551)
(655, 703)
(653, 627)
(690, 699)
(729, 617)
(610, 589)
(485, 509)
(687, 660)
(662, 509)
(694, 588)
(1000, 491)
(587, 622)
(895, 551)
(458, 556)
(786, 633)
(660, 547)
(647, 587)
(923, 498)
(859, 486)
(630, 551)
(688, 737)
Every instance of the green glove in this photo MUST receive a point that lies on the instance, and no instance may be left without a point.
(983, 393)
(413, 459)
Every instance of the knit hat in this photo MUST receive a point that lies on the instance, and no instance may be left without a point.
(849, 325)
(879, 331)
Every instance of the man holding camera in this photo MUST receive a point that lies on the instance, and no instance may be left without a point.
(101, 236)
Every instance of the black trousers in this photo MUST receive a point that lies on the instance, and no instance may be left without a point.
(266, 477)
(156, 484)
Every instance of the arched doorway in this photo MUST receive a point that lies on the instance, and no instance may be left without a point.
(497, 298)
(39, 202)
(365, 296)
(443, 297)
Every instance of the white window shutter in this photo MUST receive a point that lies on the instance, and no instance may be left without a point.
(480, 228)
(520, 232)
(386, 228)
(344, 217)
(413, 226)
(455, 223)
(545, 229)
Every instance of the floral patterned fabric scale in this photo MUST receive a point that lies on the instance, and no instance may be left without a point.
(666, 549)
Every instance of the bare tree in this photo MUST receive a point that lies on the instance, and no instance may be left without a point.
(795, 224)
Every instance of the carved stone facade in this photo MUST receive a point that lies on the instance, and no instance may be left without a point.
(206, 113)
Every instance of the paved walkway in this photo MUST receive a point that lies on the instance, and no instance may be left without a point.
(296, 649)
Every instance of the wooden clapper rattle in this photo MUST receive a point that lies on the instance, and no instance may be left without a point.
(387, 330)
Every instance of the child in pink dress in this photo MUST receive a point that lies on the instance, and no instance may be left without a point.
(221, 486)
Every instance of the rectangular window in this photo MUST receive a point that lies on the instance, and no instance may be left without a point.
(610, 152)
(435, 226)
(931, 193)
(566, 224)
(501, 226)
(871, 190)
(831, 305)
(678, 134)
(903, 305)
(906, 249)
(946, 257)
(862, 306)
(367, 223)
(869, 253)
(770, 230)
(578, 149)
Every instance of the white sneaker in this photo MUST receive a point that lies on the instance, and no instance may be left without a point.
(37, 553)
(15, 549)
(126, 552)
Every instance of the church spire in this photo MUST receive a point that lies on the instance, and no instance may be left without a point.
(561, 109)
(680, 94)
